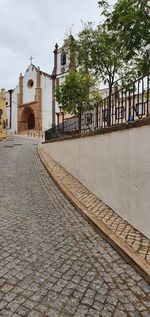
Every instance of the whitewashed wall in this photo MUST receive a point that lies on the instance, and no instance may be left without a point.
(14, 124)
(29, 93)
(59, 66)
(14, 114)
(61, 75)
(115, 167)
(46, 85)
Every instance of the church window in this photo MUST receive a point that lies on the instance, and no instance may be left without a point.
(30, 83)
(63, 59)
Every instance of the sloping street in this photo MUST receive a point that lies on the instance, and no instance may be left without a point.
(52, 261)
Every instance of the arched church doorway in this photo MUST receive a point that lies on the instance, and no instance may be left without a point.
(28, 119)
(31, 121)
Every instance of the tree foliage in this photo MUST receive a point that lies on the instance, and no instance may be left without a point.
(130, 20)
(105, 54)
(78, 93)
(116, 48)
(97, 51)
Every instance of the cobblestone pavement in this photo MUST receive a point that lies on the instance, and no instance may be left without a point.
(133, 238)
(52, 262)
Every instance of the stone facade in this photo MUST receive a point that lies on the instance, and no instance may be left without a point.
(29, 104)
(30, 111)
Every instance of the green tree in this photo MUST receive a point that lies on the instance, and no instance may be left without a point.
(130, 20)
(77, 94)
(97, 51)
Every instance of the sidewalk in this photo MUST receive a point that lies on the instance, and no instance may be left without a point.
(128, 241)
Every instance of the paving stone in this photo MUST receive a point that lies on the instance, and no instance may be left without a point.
(119, 313)
(98, 306)
(67, 291)
(146, 313)
(87, 301)
(3, 304)
(93, 313)
(6, 313)
(135, 313)
(6, 288)
(106, 313)
(53, 313)
(2, 281)
(29, 304)
(52, 261)
(81, 311)
(130, 235)
(35, 313)
(22, 311)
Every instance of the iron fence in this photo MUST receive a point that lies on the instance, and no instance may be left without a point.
(126, 104)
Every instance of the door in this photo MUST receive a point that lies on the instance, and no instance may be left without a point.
(31, 121)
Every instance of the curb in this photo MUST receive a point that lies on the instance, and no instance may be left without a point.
(124, 250)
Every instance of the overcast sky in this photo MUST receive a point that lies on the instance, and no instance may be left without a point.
(32, 27)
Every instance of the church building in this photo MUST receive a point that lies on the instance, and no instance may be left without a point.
(33, 100)
(29, 104)
(62, 65)
(32, 104)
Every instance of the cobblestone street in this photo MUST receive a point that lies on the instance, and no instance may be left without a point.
(52, 261)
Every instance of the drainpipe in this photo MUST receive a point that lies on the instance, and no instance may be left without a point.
(53, 76)
(10, 103)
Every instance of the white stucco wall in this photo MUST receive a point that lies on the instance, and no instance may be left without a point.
(114, 166)
(61, 81)
(46, 85)
(14, 124)
(29, 93)
(59, 66)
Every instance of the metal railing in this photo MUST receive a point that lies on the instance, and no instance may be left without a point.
(126, 104)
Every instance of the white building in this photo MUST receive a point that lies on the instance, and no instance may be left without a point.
(33, 100)
(29, 104)
(32, 104)
(62, 65)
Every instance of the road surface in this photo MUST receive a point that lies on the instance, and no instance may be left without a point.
(52, 261)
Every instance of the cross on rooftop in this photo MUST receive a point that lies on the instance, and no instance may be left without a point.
(31, 58)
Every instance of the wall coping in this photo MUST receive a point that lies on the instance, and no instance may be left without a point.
(119, 127)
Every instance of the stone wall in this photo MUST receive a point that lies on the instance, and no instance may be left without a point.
(116, 167)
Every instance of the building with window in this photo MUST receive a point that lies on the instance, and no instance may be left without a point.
(29, 104)
(62, 65)
(32, 104)
(33, 100)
